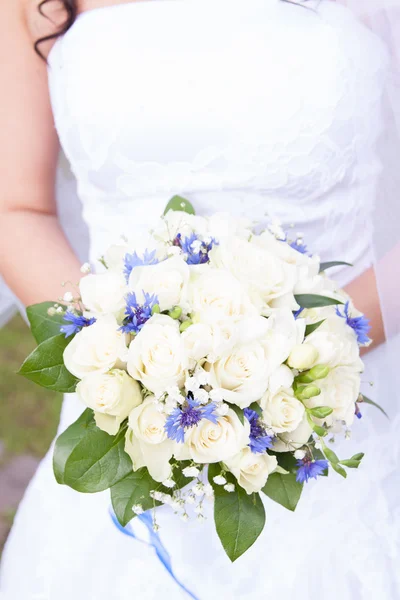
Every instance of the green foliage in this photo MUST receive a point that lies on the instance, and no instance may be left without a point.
(320, 412)
(372, 403)
(178, 203)
(284, 489)
(239, 517)
(335, 263)
(43, 326)
(89, 460)
(312, 327)
(133, 489)
(45, 366)
(315, 300)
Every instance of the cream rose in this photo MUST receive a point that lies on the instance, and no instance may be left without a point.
(212, 442)
(269, 280)
(251, 470)
(146, 440)
(336, 344)
(216, 295)
(157, 356)
(175, 222)
(167, 280)
(287, 442)
(339, 390)
(111, 395)
(224, 225)
(104, 293)
(282, 412)
(97, 348)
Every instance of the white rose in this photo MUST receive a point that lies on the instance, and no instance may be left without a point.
(251, 470)
(339, 390)
(114, 256)
(146, 440)
(211, 341)
(224, 225)
(270, 280)
(97, 348)
(282, 411)
(157, 356)
(104, 293)
(167, 280)
(287, 442)
(303, 356)
(282, 377)
(111, 395)
(336, 344)
(216, 295)
(262, 346)
(210, 442)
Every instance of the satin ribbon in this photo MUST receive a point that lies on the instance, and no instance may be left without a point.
(155, 542)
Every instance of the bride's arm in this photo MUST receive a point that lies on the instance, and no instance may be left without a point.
(364, 292)
(35, 256)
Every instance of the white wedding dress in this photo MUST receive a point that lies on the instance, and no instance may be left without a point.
(251, 107)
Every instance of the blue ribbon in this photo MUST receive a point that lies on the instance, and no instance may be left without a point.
(155, 542)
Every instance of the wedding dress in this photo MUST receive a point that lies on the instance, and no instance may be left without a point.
(254, 107)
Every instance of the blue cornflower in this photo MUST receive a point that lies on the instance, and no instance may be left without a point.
(299, 246)
(137, 314)
(133, 260)
(188, 415)
(297, 313)
(196, 249)
(359, 324)
(357, 412)
(77, 323)
(308, 468)
(260, 441)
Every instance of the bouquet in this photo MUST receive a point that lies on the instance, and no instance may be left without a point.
(215, 359)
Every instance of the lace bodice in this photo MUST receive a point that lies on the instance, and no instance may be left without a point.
(250, 106)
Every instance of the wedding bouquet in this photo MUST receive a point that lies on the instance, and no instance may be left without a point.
(215, 360)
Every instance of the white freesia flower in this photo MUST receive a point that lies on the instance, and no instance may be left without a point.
(210, 442)
(251, 470)
(146, 441)
(157, 356)
(339, 390)
(97, 348)
(215, 295)
(269, 280)
(293, 440)
(282, 412)
(336, 344)
(303, 356)
(167, 280)
(111, 395)
(104, 293)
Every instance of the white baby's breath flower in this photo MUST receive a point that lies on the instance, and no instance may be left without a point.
(208, 490)
(192, 384)
(85, 268)
(191, 499)
(60, 310)
(201, 518)
(191, 471)
(229, 487)
(198, 489)
(169, 483)
(299, 454)
(137, 509)
(198, 509)
(185, 517)
(202, 396)
(68, 297)
(51, 311)
(222, 409)
(219, 480)
(156, 495)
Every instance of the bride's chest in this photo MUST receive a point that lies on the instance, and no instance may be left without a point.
(236, 94)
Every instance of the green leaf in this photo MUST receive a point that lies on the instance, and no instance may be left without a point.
(43, 326)
(315, 300)
(338, 469)
(358, 456)
(239, 517)
(333, 263)
(133, 489)
(329, 454)
(179, 203)
(318, 430)
(313, 327)
(238, 411)
(286, 460)
(45, 366)
(321, 412)
(284, 489)
(257, 408)
(89, 460)
(372, 403)
(354, 461)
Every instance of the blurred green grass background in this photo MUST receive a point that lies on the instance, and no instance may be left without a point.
(28, 416)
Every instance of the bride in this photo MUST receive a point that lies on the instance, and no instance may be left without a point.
(249, 106)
